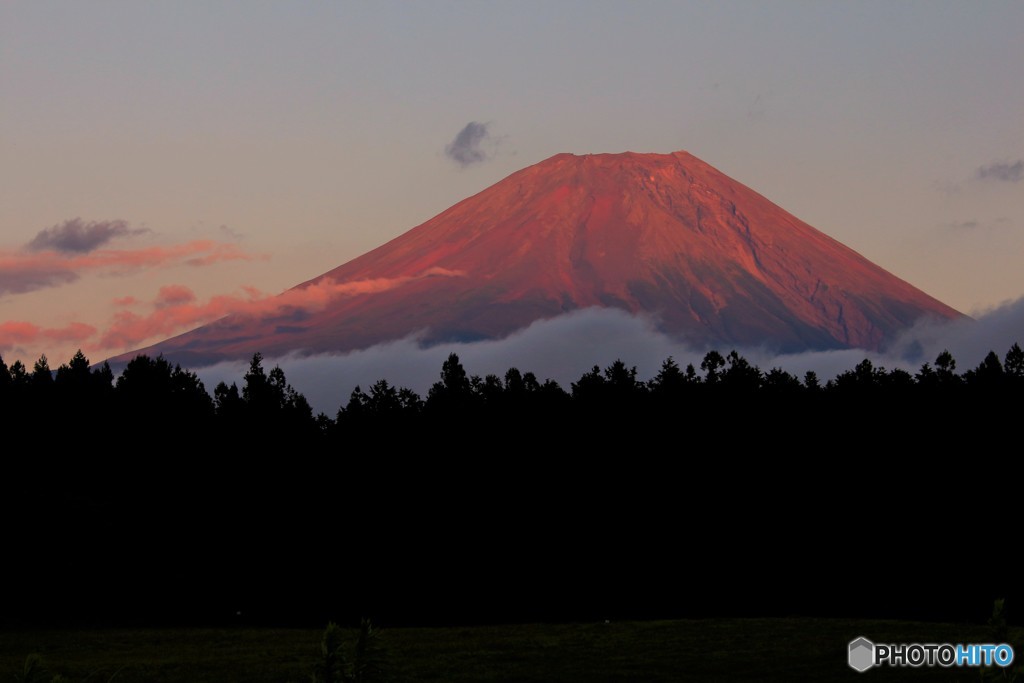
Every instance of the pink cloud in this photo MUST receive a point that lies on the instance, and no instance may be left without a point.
(174, 295)
(22, 271)
(194, 253)
(18, 333)
(175, 308)
(318, 295)
(129, 329)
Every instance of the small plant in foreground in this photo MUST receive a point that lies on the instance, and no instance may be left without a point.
(364, 664)
(999, 632)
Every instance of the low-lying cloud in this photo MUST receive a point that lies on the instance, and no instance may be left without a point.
(566, 347)
(76, 236)
(468, 146)
(177, 309)
(1002, 171)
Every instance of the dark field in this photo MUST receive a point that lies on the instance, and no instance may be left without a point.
(781, 649)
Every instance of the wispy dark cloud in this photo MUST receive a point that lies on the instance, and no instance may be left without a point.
(1003, 171)
(468, 146)
(76, 236)
(231, 232)
(963, 225)
(19, 277)
(759, 107)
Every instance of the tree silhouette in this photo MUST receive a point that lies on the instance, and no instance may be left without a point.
(864, 378)
(386, 399)
(454, 392)
(490, 389)
(516, 385)
(741, 376)
(779, 383)
(257, 392)
(5, 377)
(42, 376)
(670, 380)
(75, 371)
(621, 380)
(940, 379)
(82, 395)
(926, 377)
(19, 375)
(1013, 364)
(988, 375)
(226, 398)
(590, 386)
(945, 362)
(453, 376)
(152, 394)
(711, 365)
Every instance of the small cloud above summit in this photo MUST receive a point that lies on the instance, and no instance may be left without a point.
(468, 146)
(76, 236)
(1003, 171)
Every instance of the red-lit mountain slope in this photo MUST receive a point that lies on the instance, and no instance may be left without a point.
(712, 261)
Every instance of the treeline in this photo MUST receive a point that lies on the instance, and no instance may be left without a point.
(152, 396)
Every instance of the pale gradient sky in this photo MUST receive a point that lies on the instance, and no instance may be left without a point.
(294, 136)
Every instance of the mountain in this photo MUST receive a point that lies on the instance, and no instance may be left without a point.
(712, 261)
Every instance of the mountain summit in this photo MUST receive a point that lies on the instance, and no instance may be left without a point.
(711, 261)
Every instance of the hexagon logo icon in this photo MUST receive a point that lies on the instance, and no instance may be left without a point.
(862, 654)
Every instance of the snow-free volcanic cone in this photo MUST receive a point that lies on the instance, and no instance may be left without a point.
(711, 261)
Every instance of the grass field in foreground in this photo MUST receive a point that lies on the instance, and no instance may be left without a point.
(776, 649)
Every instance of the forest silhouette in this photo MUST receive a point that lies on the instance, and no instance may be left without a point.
(721, 489)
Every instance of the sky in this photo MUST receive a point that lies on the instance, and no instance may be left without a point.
(162, 163)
